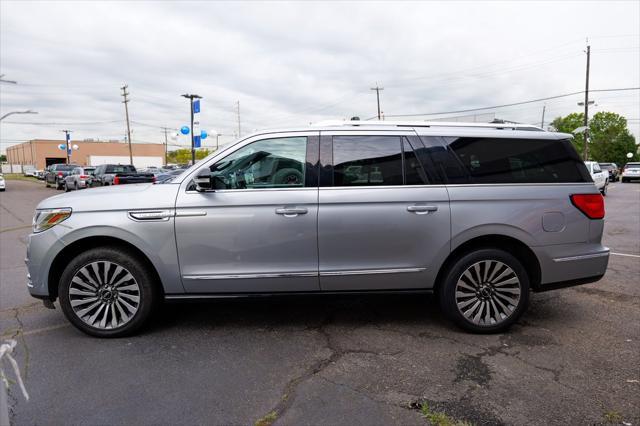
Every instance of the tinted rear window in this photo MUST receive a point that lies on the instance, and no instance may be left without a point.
(64, 167)
(506, 160)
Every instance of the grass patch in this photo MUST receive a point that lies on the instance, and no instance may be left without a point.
(612, 417)
(19, 176)
(437, 418)
(267, 420)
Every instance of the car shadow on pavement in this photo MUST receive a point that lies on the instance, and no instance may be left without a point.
(286, 312)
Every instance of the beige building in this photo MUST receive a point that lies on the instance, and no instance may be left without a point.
(42, 153)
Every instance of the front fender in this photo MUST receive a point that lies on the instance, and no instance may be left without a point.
(155, 240)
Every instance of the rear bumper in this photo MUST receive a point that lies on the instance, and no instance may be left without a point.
(565, 266)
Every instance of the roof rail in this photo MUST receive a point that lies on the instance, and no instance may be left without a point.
(377, 123)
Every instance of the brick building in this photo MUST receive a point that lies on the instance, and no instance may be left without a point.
(42, 153)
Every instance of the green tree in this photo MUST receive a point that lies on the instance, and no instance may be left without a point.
(568, 124)
(3, 158)
(610, 139)
(183, 155)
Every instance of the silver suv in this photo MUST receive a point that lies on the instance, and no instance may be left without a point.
(479, 214)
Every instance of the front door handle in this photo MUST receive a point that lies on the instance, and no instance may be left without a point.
(422, 209)
(291, 211)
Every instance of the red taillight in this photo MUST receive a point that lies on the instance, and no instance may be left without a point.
(154, 179)
(116, 180)
(84, 177)
(592, 205)
(59, 174)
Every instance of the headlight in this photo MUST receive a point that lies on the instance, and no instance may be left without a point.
(47, 218)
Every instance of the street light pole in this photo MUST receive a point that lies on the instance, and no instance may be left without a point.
(66, 142)
(17, 112)
(193, 148)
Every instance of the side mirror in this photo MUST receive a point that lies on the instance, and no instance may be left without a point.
(203, 180)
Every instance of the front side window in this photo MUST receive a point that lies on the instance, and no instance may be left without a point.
(267, 163)
(367, 160)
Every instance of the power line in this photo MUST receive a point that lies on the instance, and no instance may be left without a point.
(508, 105)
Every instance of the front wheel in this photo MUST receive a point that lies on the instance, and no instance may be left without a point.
(107, 292)
(485, 291)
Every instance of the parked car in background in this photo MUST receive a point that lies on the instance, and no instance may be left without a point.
(56, 173)
(155, 170)
(612, 169)
(479, 214)
(29, 171)
(631, 172)
(3, 184)
(166, 176)
(600, 177)
(119, 174)
(40, 174)
(79, 178)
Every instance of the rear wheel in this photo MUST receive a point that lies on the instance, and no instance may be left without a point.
(107, 292)
(603, 191)
(76, 186)
(485, 291)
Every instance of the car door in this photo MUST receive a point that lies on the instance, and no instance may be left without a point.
(382, 223)
(257, 230)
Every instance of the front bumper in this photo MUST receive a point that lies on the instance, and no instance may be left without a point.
(42, 249)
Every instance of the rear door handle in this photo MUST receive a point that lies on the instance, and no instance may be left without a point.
(291, 211)
(422, 209)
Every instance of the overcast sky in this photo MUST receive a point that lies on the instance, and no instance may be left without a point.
(294, 63)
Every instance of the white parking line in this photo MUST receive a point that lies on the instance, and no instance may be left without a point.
(625, 254)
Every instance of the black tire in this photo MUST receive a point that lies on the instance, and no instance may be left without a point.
(448, 290)
(624, 180)
(76, 186)
(603, 191)
(58, 185)
(46, 183)
(148, 292)
(66, 187)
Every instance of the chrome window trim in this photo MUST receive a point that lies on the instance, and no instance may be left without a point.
(581, 257)
(251, 190)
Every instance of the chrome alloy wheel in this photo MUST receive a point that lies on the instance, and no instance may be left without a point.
(104, 295)
(488, 292)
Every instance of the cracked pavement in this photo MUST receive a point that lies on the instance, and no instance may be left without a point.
(572, 358)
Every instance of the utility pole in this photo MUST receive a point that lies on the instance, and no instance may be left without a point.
(126, 111)
(544, 107)
(66, 142)
(378, 89)
(239, 131)
(166, 143)
(586, 108)
(193, 148)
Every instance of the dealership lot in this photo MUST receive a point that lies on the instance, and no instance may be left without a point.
(572, 358)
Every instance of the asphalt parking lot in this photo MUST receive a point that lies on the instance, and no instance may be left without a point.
(574, 357)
